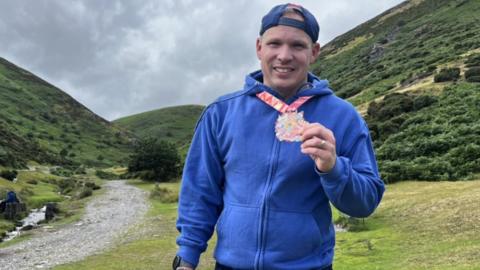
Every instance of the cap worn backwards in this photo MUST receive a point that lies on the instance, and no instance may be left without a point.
(309, 24)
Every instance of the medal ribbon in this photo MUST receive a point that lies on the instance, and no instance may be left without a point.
(279, 105)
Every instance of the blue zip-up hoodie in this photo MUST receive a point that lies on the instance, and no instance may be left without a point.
(270, 205)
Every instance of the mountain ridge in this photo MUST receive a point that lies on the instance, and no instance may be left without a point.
(40, 122)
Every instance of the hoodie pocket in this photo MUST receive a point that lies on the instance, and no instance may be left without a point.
(292, 236)
(237, 228)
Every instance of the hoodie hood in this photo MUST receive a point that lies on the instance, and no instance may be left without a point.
(254, 84)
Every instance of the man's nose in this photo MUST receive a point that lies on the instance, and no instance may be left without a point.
(285, 54)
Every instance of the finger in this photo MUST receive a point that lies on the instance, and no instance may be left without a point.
(316, 153)
(315, 142)
(320, 131)
(317, 130)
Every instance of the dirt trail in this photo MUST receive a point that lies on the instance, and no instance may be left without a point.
(106, 218)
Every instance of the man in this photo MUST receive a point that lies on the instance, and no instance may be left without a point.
(266, 162)
(11, 198)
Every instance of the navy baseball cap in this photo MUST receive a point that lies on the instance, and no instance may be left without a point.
(274, 18)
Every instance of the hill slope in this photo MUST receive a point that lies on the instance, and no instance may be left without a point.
(173, 124)
(387, 66)
(39, 122)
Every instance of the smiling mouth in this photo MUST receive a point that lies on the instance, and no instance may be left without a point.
(283, 69)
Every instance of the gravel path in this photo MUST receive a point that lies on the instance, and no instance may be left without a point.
(106, 217)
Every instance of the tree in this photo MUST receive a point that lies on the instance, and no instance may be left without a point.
(155, 160)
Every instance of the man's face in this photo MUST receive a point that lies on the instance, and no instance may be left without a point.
(285, 54)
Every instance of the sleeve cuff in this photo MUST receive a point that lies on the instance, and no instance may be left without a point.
(334, 173)
(189, 255)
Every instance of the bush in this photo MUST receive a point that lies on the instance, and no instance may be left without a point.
(92, 185)
(157, 161)
(9, 174)
(67, 185)
(84, 192)
(447, 74)
(80, 170)
(163, 195)
(423, 101)
(472, 72)
(392, 105)
(474, 79)
(61, 172)
(106, 175)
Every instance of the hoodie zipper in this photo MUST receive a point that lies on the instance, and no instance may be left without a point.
(262, 232)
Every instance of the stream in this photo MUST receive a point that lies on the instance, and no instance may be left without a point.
(30, 222)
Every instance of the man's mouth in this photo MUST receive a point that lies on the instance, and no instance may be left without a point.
(283, 69)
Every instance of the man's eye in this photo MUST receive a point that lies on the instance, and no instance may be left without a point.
(273, 43)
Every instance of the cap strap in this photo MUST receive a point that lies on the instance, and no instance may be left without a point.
(292, 22)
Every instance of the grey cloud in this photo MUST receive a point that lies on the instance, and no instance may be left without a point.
(124, 57)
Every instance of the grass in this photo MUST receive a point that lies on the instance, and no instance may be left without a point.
(36, 195)
(419, 225)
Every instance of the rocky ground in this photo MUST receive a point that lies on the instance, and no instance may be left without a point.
(106, 218)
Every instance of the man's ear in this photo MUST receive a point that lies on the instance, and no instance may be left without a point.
(258, 46)
(315, 52)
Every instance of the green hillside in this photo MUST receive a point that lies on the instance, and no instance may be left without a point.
(41, 123)
(414, 72)
(173, 124)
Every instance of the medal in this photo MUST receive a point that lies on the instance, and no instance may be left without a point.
(289, 126)
(290, 122)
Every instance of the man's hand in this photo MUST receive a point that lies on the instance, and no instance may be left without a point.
(319, 142)
(185, 266)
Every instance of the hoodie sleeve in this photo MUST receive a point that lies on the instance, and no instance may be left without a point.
(200, 201)
(354, 185)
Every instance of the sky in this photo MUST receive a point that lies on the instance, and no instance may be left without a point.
(123, 57)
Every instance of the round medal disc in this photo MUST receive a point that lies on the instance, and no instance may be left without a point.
(289, 126)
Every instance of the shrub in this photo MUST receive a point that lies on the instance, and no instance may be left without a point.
(472, 72)
(106, 175)
(61, 172)
(67, 185)
(391, 106)
(447, 74)
(474, 79)
(163, 195)
(158, 161)
(431, 68)
(92, 185)
(423, 101)
(80, 170)
(84, 192)
(9, 174)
